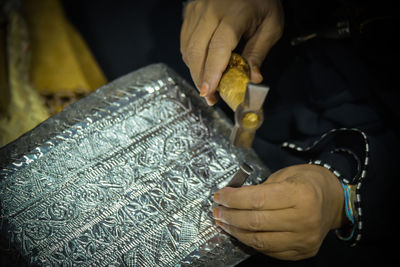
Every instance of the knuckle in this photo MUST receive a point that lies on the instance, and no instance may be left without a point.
(292, 179)
(193, 53)
(197, 6)
(243, 8)
(259, 243)
(307, 193)
(258, 200)
(278, 175)
(254, 57)
(254, 54)
(225, 39)
(218, 43)
(193, 7)
(254, 222)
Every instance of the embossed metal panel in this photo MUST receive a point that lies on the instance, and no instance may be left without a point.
(124, 177)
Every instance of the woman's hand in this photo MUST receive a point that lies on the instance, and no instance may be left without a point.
(212, 29)
(286, 217)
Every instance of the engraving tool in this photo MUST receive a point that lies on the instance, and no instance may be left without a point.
(240, 176)
(238, 179)
(244, 98)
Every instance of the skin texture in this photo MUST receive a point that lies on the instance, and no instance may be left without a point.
(212, 29)
(288, 216)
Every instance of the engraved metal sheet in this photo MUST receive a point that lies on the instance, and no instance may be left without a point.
(124, 177)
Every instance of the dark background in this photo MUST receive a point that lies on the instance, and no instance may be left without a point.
(126, 35)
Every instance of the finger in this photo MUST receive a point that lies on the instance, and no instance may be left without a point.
(258, 46)
(292, 255)
(224, 40)
(195, 37)
(196, 49)
(267, 196)
(262, 241)
(251, 220)
(189, 24)
(212, 99)
(255, 75)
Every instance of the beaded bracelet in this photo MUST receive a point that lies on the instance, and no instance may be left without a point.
(351, 187)
(350, 234)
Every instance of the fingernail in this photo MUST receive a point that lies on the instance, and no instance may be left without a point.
(211, 100)
(217, 213)
(204, 89)
(222, 225)
(217, 197)
(256, 76)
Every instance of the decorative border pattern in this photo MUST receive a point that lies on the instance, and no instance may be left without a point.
(129, 183)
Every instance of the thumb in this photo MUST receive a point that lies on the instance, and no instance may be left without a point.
(258, 46)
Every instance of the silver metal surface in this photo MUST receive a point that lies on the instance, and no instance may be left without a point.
(124, 177)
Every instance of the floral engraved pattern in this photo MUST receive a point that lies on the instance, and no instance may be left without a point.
(131, 185)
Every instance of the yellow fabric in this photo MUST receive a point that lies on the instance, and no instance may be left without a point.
(61, 61)
(24, 108)
(45, 57)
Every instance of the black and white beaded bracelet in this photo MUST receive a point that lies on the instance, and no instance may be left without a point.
(351, 186)
(352, 207)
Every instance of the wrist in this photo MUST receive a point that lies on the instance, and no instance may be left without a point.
(348, 150)
(337, 200)
(340, 216)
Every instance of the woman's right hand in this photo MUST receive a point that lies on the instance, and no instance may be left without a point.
(212, 29)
